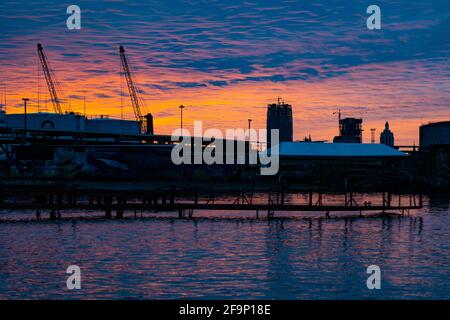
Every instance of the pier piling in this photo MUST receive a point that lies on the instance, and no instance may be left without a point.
(55, 199)
(108, 207)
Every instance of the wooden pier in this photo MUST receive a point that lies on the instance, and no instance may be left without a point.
(114, 202)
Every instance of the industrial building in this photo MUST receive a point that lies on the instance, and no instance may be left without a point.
(363, 150)
(434, 134)
(387, 136)
(435, 154)
(70, 145)
(279, 116)
(350, 130)
(336, 164)
(69, 122)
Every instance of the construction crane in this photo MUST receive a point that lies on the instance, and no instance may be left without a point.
(135, 101)
(48, 78)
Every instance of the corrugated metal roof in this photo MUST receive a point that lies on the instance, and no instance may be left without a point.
(311, 149)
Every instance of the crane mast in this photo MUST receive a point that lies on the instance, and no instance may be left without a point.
(131, 88)
(49, 80)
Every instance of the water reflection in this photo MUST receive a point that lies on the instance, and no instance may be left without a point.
(314, 258)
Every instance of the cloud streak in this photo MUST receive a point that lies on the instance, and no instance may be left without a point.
(230, 58)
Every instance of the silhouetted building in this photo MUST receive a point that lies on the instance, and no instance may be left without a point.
(435, 134)
(70, 122)
(387, 137)
(149, 123)
(279, 116)
(341, 165)
(350, 131)
(435, 143)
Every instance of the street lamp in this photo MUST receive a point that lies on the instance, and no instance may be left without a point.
(181, 116)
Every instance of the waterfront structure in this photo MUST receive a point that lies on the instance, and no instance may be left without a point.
(435, 149)
(338, 165)
(434, 134)
(387, 137)
(165, 198)
(279, 116)
(350, 131)
(362, 150)
(69, 122)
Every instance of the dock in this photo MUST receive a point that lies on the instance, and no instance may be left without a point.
(185, 200)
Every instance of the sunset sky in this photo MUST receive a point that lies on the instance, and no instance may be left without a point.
(226, 60)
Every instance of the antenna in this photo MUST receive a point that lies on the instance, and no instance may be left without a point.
(339, 119)
(338, 113)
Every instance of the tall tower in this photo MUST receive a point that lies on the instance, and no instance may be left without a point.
(387, 137)
(279, 116)
(350, 131)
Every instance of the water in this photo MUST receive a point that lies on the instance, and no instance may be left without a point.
(230, 258)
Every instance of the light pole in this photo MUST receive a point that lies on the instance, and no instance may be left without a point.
(25, 107)
(181, 116)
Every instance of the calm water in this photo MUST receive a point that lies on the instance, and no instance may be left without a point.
(230, 258)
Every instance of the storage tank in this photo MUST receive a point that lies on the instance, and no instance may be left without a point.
(432, 134)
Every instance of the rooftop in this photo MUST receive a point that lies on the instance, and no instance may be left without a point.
(308, 149)
(437, 124)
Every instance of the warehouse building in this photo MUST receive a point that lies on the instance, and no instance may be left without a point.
(334, 164)
(70, 122)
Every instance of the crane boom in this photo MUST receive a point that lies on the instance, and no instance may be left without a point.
(131, 87)
(49, 80)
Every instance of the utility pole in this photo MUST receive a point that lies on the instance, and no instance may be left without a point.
(25, 107)
(25, 122)
(181, 116)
